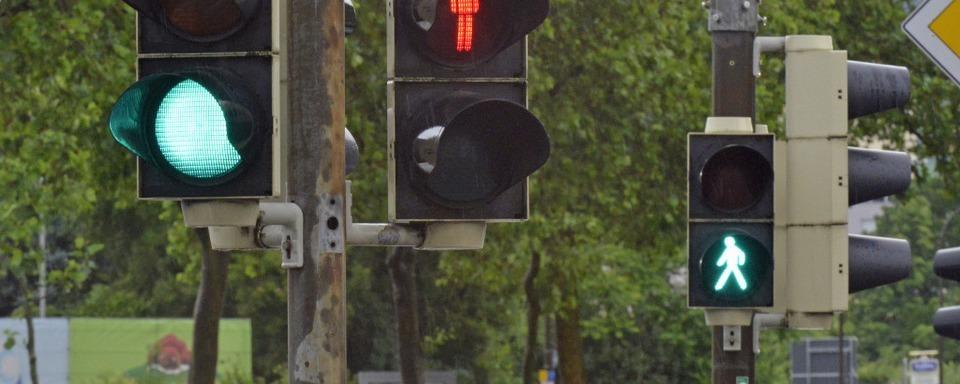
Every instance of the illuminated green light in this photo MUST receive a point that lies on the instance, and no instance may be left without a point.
(192, 133)
(734, 267)
(731, 260)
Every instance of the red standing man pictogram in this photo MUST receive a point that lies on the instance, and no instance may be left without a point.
(465, 10)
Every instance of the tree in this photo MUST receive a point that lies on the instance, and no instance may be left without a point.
(47, 150)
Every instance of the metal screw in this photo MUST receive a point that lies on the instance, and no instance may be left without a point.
(716, 17)
(746, 5)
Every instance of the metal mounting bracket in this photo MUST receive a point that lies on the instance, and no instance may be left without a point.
(380, 234)
(281, 227)
(764, 321)
(763, 44)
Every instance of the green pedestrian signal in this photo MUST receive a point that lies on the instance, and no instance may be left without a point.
(731, 260)
(734, 266)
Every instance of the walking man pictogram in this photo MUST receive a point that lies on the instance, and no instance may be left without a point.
(733, 258)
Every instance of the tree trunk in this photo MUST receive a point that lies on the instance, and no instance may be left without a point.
(569, 343)
(207, 311)
(533, 318)
(31, 343)
(402, 266)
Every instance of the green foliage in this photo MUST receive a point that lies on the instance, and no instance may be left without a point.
(47, 149)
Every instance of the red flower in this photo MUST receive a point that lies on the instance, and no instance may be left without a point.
(170, 353)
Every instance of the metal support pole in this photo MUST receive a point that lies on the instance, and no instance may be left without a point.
(313, 88)
(842, 378)
(43, 271)
(733, 26)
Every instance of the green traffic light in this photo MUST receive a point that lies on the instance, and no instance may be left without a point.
(733, 266)
(191, 132)
(191, 126)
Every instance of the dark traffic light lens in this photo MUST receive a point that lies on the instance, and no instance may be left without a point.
(206, 20)
(735, 178)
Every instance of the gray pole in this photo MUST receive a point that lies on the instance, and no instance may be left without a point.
(733, 26)
(843, 372)
(43, 270)
(313, 90)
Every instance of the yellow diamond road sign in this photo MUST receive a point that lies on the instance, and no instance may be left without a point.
(935, 27)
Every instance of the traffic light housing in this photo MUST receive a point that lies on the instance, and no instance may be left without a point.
(201, 117)
(461, 140)
(823, 263)
(946, 321)
(731, 218)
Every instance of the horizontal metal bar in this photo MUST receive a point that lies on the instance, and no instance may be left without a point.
(384, 235)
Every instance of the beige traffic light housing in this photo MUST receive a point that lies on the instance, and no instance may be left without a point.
(816, 283)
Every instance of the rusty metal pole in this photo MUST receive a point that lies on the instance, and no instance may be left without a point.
(733, 27)
(313, 88)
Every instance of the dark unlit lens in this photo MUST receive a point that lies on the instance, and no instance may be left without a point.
(203, 18)
(735, 178)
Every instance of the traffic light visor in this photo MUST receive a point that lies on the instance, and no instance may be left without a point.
(946, 322)
(187, 125)
(485, 149)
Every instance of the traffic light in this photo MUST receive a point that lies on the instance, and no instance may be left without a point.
(823, 263)
(461, 140)
(946, 321)
(730, 204)
(201, 117)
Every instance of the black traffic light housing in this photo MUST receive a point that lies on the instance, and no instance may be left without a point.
(730, 216)
(462, 140)
(224, 48)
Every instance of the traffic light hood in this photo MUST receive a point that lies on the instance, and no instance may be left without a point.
(196, 127)
(946, 322)
(875, 88)
(876, 261)
(486, 148)
(876, 173)
(946, 263)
